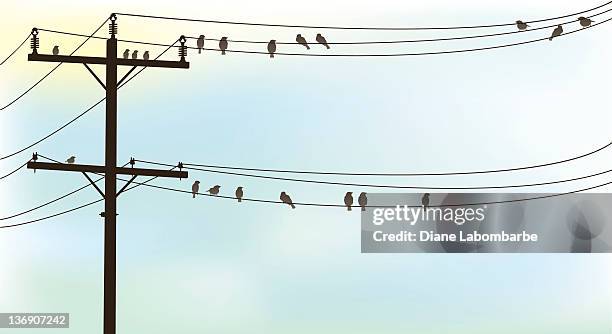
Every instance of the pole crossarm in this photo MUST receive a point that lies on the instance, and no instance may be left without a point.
(95, 76)
(104, 61)
(102, 170)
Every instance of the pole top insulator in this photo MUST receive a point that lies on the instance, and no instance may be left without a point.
(34, 31)
(113, 17)
(183, 39)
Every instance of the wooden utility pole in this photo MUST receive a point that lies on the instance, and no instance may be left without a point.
(110, 169)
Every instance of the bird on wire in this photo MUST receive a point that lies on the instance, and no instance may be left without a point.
(556, 33)
(135, 54)
(126, 54)
(302, 41)
(521, 25)
(585, 22)
(214, 190)
(71, 160)
(348, 200)
(200, 43)
(322, 40)
(425, 201)
(195, 188)
(55, 50)
(363, 201)
(272, 48)
(239, 194)
(286, 199)
(223, 45)
(145, 56)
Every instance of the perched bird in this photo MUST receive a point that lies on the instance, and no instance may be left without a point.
(135, 54)
(286, 199)
(71, 160)
(425, 201)
(348, 200)
(556, 33)
(214, 190)
(145, 56)
(322, 40)
(521, 25)
(223, 45)
(302, 41)
(363, 201)
(200, 43)
(55, 50)
(126, 54)
(272, 48)
(195, 188)
(585, 22)
(239, 194)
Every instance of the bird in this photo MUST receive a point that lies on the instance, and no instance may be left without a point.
(521, 25)
(348, 200)
(272, 47)
(322, 40)
(200, 43)
(223, 45)
(55, 50)
(239, 194)
(425, 201)
(214, 190)
(126, 54)
(145, 56)
(363, 201)
(302, 41)
(71, 160)
(286, 199)
(585, 22)
(556, 33)
(195, 188)
(135, 54)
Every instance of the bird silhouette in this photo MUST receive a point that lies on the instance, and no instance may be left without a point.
(145, 56)
(286, 199)
(585, 22)
(55, 50)
(223, 45)
(363, 201)
(425, 201)
(521, 25)
(348, 200)
(135, 54)
(126, 54)
(322, 40)
(556, 33)
(214, 190)
(302, 41)
(71, 160)
(272, 47)
(200, 43)
(195, 188)
(239, 194)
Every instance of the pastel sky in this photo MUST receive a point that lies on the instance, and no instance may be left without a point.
(213, 265)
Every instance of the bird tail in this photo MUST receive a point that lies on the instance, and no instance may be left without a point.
(327, 46)
(292, 206)
(271, 55)
(193, 195)
(550, 38)
(199, 50)
(363, 208)
(223, 52)
(348, 208)
(239, 200)
(307, 47)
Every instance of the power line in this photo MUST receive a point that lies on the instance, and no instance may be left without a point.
(414, 206)
(386, 186)
(52, 70)
(13, 172)
(490, 171)
(357, 28)
(17, 49)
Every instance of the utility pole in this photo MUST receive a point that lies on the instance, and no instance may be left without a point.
(110, 169)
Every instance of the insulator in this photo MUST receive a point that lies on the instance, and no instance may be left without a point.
(34, 42)
(112, 27)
